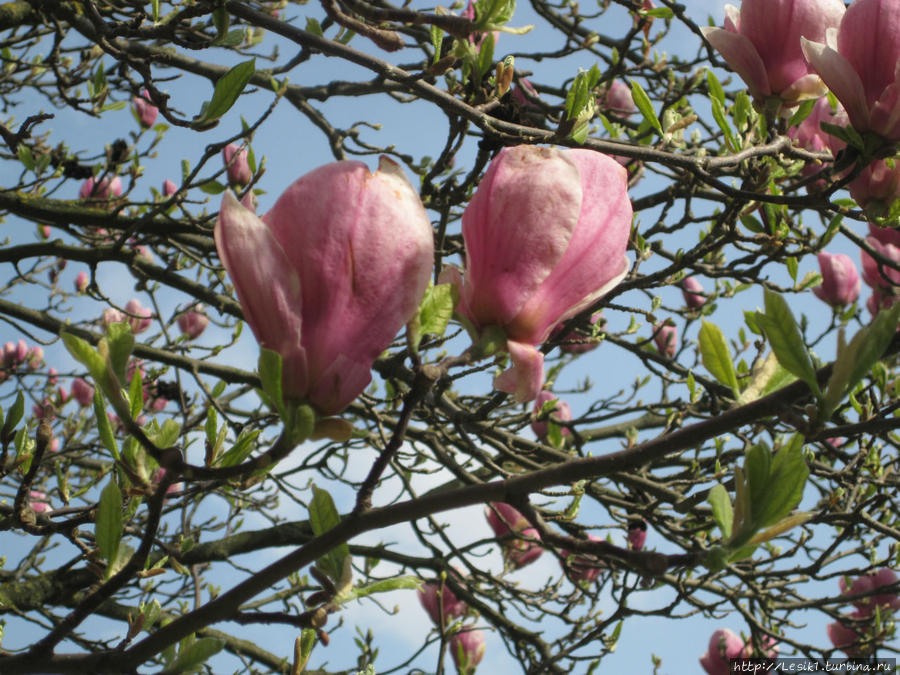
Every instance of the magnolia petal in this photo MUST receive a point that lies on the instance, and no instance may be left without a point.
(841, 78)
(267, 287)
(807, 87)
(740, 54)
(339, 384)
(525, 378)
(885, 114)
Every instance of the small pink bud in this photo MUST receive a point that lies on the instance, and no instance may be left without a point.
(236, 165)
(82, 392)
(505, 520)
(111, 315)
(840, 280)
(140, 316)
(582, 566)
(81, 282)
(435, 597)
(561, 413)
(52, 377)
(157, 477)
(522, 87)
(35, 357)
(10, 359)
(44, 231)
(723, 645)
(666, 338)
(169, 188)
(54, 445)
(467, 649)
(37, 502)
(637, 534)
(62, 396)
(144, 253)
(145, 111)
(102, 190)
(618, 99)
(576, 343)
(876, 274)
(193, 322)
(21, 351)
(691, 290)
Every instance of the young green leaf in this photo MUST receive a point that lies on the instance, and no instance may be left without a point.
(270, 371)
(642, 101)
(82, 352)
(227, 90)
(13, 417)
(323, 516)
(722, 511)
(121, 344)
(716, 356)
(195, 654)
(109, 521)
(104, 428)
(784, 336)
(784, 488)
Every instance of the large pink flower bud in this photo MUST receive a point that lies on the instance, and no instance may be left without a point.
(582, 567)
(467, 649)
(193, 322)
(37, 502)
(870, 583)
(101, 190)
(436, 597)
(561, 413)
(146, 112)
(859, 65)
(169, 188)
(505, 520)
(666, 338)
(81, 281)
(846, 637)
(877, 187)
(111, 315)
(82, 392)
(723, 645)
(691, 291)
(545, 236)
(637, 534)
(330, 274)
(885, 242)
(139, 316)
(840, 280)
(761, 42)
(236, 165)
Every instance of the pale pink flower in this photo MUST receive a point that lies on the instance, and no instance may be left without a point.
(101, 190)
(81, 281)
(561, 413)
(691, 291)
(505, 520)
(145, 111)
(467, 649)
(82, 392)
(723, 645)
(139, 317)
(237, 165)
(840, 280)
(436, 597)
(193, 322)
(582, 566)
(666, 338)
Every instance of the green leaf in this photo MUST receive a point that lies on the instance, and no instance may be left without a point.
(787, 478)
(323, 516)
(86, 355)
(642, 101)
(228, 88)
(211, 426)
(437, 38)
(313, 26)
(196, 654)
(382, 586)
(718, 111)
(716, 355)
(757, 462)
(13, 417)
(104, 428)
(121, 344)
(722, 511)
(303, 647)
(136, 394)
(109, 521)
(270, 373)
(212, 187)
(742, 108)
(784, 336)
(855, 360)
(434, 313)
(241, 449)
(657, 13)
(168, 434)
(485, 56)
(802, 112)
(155, 10)
(25, 156)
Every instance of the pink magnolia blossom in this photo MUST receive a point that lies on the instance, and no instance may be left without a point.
(436, 597)
(885, 242)
(545, 236)
(14, 353)
(505, 520)
(846, 637)
(840, 280)
(467, 649)
(723, 645)
(518, 92)
(237, 166)
(146, 111)
(618, 99)
(666, 338)
(637, 534)
(879, 301)
(193, 322)
(574, 342)
(101, 190)
(35, 357)
(157, 477)
(111, 315)
(476, 38)
(870, 583)
(330, 274)
(82, 392)
(582, 567)
(691, 291)
(561, 413)
(859, 65)
(767, 648)
(761, 42)
(139, 316)
(82, 281)
(52, 376)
